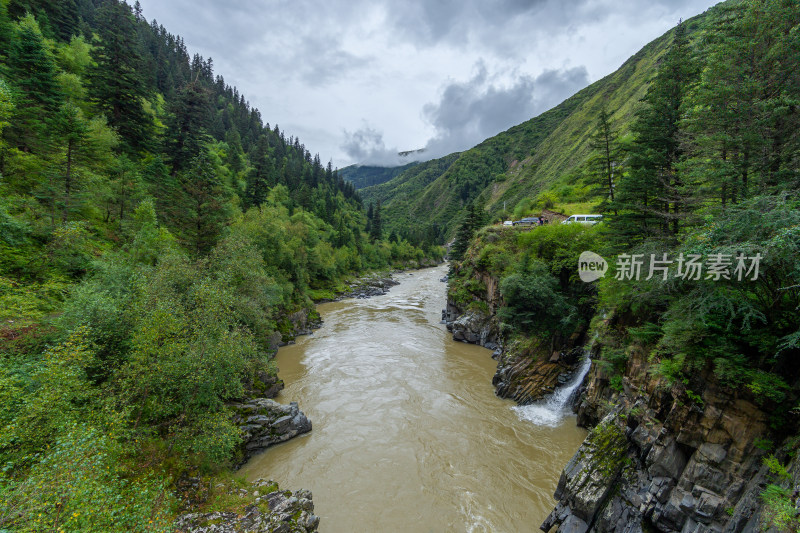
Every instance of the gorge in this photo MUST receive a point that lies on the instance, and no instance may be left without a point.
(408, 435)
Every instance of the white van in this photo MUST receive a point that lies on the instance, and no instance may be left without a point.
(584, 219)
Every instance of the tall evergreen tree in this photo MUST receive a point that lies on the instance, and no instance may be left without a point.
(376, 229)
(204, 204)
(652, 197)
(116, 82)
(71, 132)
(741, 126)
(187, 128)
(33, 74)
(262, 176)
(605, 159)
(474, 219)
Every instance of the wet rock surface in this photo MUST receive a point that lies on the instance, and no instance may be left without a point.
(270, 511)
(265, 422)
(525, 380)
(656, 461)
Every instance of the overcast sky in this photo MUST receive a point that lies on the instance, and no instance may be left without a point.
(360, 80)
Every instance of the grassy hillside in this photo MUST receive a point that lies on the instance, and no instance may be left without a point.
(545, 153)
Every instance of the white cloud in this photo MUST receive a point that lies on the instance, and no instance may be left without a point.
(324, 70)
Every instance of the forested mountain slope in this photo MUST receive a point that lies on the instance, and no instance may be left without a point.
(362, 176)
(158, 241)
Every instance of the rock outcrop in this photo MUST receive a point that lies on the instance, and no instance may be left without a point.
(265, 422)
(526, 377)
(473, 326)
(659, 459)
(368, 287)
(524, 374)
(271, 511)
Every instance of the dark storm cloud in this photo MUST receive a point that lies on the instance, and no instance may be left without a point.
(497, 24)
(303, 39)
(469, 112)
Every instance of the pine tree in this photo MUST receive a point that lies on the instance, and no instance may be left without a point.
(186, 133)
(474, 219)
(71, 132)
(605, 159)
(740, 127)
(6, 32)
(376, 230)
(33, 73)
(204, 204)
(116, 83)
(262, 176)
(652, 199)
(370, 215)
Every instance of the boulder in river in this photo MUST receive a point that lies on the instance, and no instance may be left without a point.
(265, 422)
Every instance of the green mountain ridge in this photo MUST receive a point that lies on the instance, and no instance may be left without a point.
(362, 176)
(513, 167)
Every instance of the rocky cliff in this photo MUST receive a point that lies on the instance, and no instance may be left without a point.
(661, 458)
(526, 369)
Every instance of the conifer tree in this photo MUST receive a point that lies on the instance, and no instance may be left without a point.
(474, 219)
(740, 127)
(116, 83)
(376, 229)
(605, 159)
(652, 198)
(187, 128)
(33, 73)
(262, 176)
(71, 132)
(204, 203)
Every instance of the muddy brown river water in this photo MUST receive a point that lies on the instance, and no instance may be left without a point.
(408, 435)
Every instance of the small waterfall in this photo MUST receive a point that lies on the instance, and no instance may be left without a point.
(551, 410)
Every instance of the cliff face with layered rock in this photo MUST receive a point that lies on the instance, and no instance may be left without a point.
(658, 460)
(526, 370)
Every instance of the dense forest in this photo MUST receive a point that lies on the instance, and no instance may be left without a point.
(699, 192)
(155, 237)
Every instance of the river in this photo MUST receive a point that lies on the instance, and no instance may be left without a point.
(408, 435)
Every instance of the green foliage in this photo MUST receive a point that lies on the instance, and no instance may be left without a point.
(84, 483)
(117, 86)
(779, 507)
(138, 299)
(776, 468)
(474, 218)
(613, 360)
(533, 302)
(652, 197)
(779, 511)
